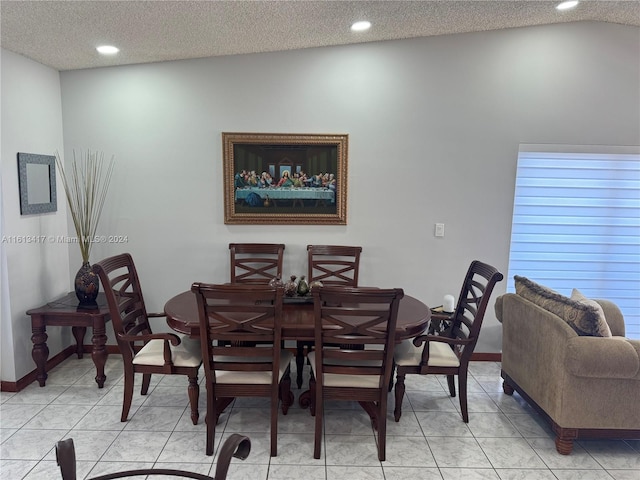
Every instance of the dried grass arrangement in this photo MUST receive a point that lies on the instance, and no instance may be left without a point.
(86, 185)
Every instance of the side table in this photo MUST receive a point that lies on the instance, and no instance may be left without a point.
(66, 312)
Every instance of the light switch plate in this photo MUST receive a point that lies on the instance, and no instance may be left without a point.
(439, 231)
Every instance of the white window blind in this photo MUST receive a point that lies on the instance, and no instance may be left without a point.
(576, 223)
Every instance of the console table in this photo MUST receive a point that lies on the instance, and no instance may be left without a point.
(65, 312)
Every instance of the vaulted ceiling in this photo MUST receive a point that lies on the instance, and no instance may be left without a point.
(64, 34)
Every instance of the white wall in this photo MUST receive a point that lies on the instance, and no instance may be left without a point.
(434, 126)
(37, 272)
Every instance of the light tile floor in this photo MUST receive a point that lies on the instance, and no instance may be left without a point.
(504, 439)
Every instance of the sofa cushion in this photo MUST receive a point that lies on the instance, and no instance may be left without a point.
(601, 322)
(582, 317)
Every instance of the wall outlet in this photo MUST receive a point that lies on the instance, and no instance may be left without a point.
(439, 230)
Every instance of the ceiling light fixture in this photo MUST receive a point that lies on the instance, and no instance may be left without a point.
(361, 26)
(567, 5)
(107, 50)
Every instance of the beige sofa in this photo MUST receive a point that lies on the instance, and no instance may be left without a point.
(586, 386)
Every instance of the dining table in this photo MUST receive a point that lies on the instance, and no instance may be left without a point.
(297, 317)
(298, 323)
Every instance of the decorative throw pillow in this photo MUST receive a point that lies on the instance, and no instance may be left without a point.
(601, 326)
(582, 317)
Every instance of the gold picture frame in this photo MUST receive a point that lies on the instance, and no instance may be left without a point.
(286, 179)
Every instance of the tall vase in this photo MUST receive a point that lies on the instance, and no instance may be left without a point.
(87, 285)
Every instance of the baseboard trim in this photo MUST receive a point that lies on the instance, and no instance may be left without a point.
(486, 357)
(114, 350)
(52, 362)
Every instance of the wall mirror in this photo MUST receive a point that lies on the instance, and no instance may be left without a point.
(37, 183)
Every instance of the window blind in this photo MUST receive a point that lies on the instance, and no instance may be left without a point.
(576, 223)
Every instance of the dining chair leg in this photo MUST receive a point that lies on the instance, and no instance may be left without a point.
(299, 363)
(382, 430)
(312, 396)
(210, 420)
(146, 381)
(274, 427)
(399, 390)
(452, 385)
(194, 392)
(318, 411)
(462, 387)
(128, 394)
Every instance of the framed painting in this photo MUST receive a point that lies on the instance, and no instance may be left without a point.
(277, 178)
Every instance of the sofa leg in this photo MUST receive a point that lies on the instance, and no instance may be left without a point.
(506, 388)
(564, 445)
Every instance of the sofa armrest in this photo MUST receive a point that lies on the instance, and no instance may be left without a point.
(614, 317)
(498, 308)
(597, 357)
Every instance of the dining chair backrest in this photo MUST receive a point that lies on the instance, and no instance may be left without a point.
(236, 445)
(472, 304)
(361, 318)
(122, 290)
(237, 317)
(334, 264)
(241, 336)
(255, 263)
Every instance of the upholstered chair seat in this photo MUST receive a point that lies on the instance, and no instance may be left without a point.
(250, 378)
(343, 380)
(185, 354)
(440, 355)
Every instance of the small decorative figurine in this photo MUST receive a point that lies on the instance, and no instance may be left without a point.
(291, 288)
(276, 282)
(303, 287)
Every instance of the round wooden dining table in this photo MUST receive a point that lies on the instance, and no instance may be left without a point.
(297, 317)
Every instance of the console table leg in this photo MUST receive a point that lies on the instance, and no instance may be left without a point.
(40, 352)
(99, 353)
(78, 334)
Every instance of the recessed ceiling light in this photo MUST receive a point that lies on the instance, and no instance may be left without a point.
(361, 26)
(107, 50)
(567, 5)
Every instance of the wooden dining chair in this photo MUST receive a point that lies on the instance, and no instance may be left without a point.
(450, 352)
(336, 265)
(232, 317)
(333, 264)
(142, 350)
(363, 317)
(255, 263)
(236, 445)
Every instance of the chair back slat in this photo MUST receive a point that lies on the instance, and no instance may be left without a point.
(255, 263)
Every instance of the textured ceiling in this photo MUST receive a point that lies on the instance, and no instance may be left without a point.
(64, 34)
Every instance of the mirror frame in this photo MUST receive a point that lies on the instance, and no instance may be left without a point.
(275, 152)
(27, 208)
